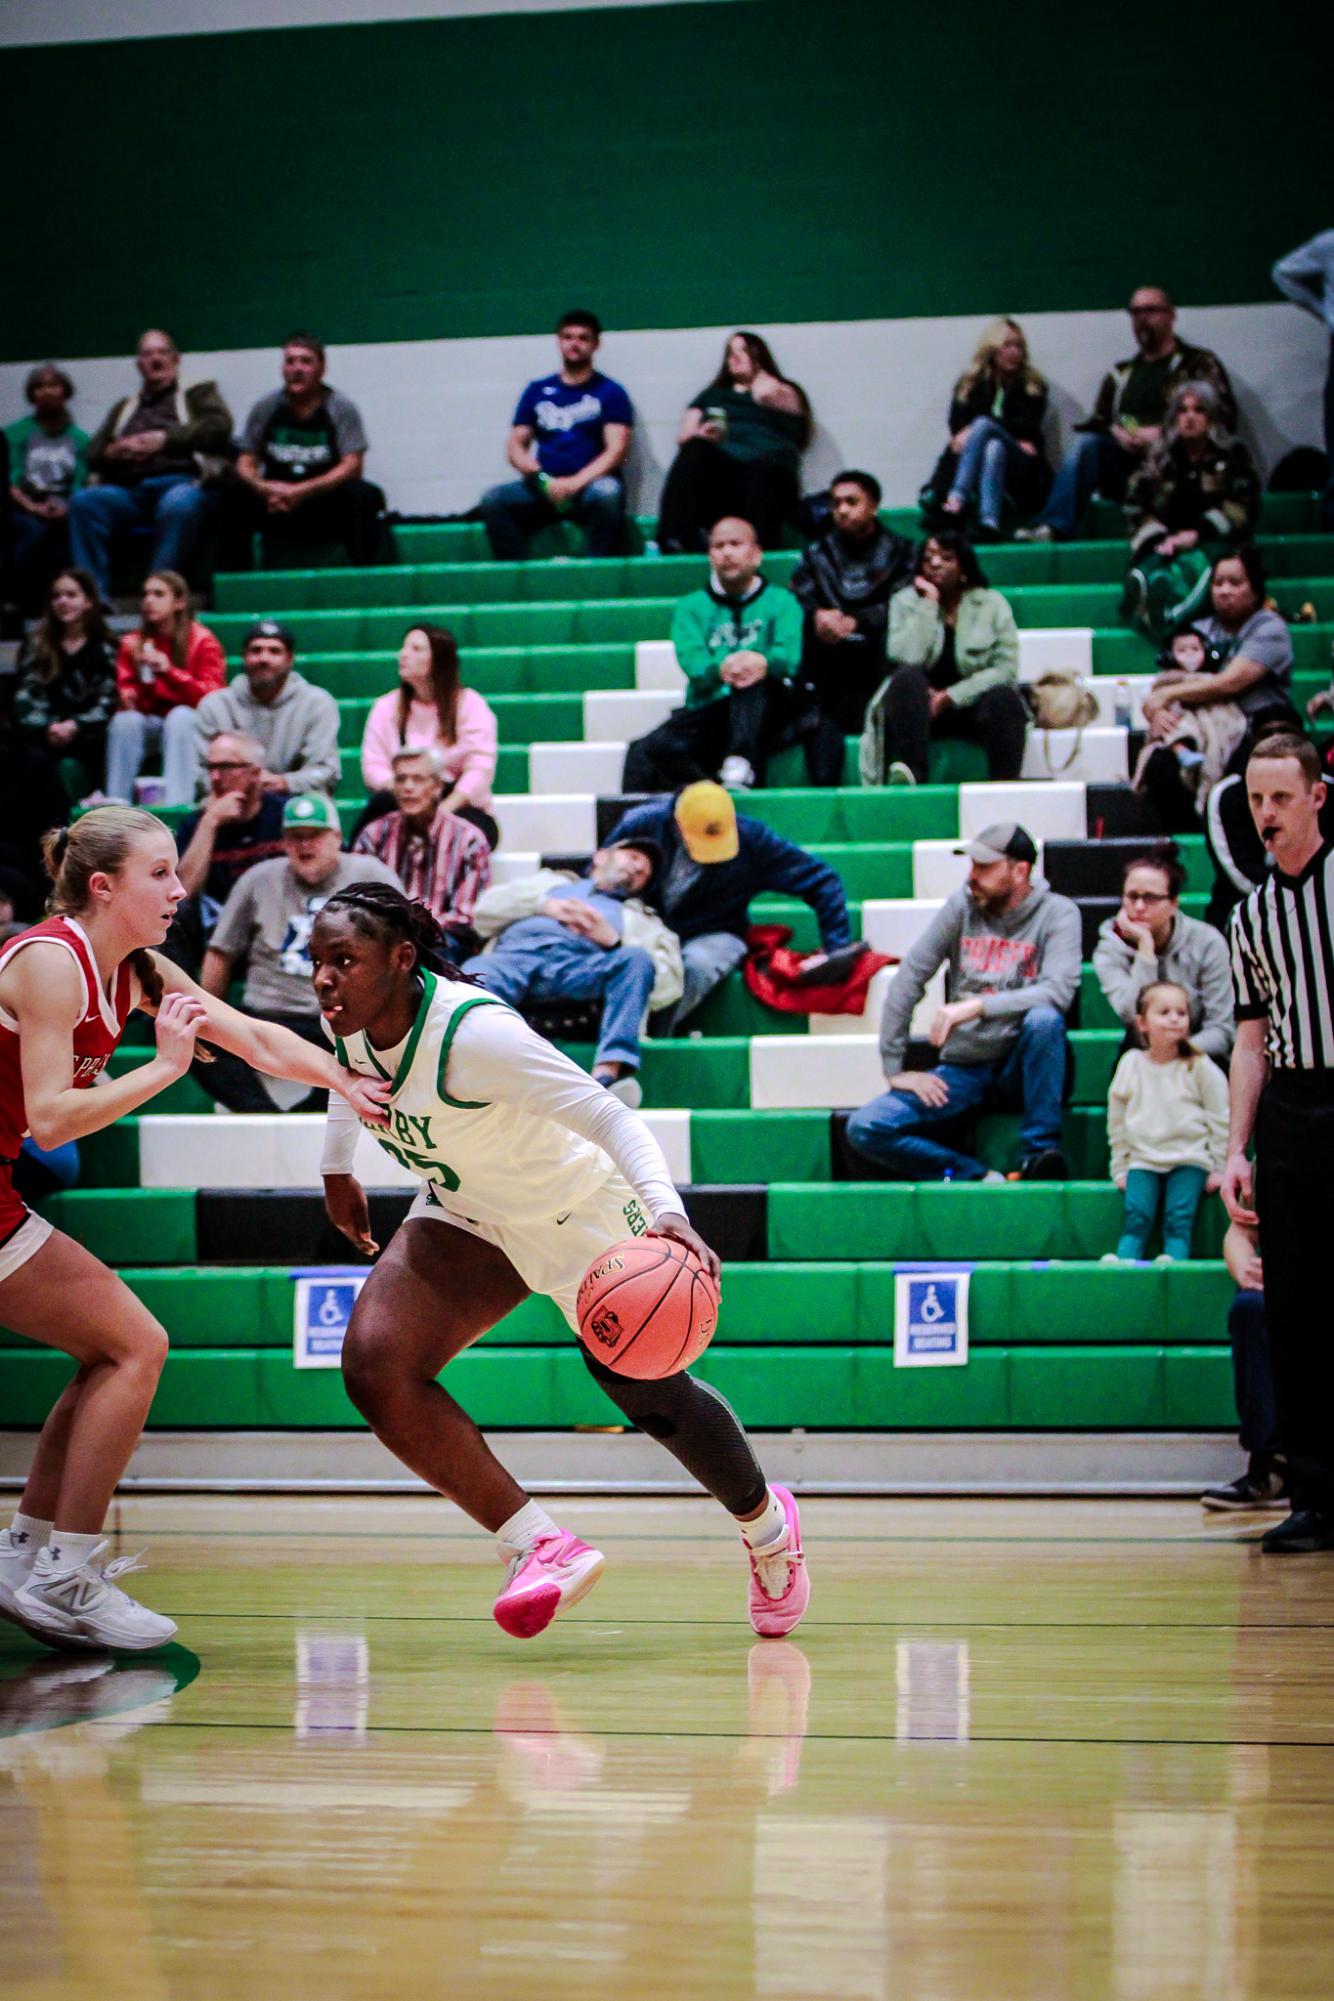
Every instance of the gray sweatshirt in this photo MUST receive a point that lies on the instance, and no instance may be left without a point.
(1306, 276)
(1028, 957)
(1196, 958)
(299, 731)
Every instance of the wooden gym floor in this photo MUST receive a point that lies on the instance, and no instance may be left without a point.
(1046, 1750)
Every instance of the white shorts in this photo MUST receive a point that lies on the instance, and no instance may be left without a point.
(25, 1243)
(552, 1257)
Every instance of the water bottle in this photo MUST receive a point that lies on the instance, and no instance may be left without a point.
(1122, 708)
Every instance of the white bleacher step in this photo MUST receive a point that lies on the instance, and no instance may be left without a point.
(1053, 810)
(868, 1021)
(511, 866)
(273, 1150)
(939, 868)
(1097, 755)
(575, 767)
(656, 666)
(834, 1070)
(619, 715)
(548, 822)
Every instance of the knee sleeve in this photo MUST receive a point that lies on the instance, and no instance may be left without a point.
(697, 1425)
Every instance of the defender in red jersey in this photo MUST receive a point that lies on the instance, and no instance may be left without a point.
(67, 988)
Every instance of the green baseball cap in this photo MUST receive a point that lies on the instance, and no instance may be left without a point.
(313, 810)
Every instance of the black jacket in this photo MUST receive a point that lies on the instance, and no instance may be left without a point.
(856, 577)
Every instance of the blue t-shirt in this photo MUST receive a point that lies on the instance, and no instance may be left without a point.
(568, 421)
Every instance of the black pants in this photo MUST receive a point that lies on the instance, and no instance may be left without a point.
(230, 1082)
(705, 483)
(1252, 1377)
(381, 803)
(998, 720)
(842, 679)
(350, 514)
(1294, 1153)
(749, 722)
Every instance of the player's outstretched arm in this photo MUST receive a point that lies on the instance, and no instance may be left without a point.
(274, 1050)
(44, 993)
(344, 1197)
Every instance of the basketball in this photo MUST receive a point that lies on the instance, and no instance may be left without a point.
(647, 1308)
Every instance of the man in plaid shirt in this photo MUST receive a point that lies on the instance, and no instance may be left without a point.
(440, 859)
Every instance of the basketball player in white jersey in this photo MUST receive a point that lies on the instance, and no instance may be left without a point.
(529, 1171)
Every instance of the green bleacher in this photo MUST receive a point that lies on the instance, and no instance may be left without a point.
(1059, 1340)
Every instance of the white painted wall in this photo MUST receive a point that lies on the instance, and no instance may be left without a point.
(437, 411)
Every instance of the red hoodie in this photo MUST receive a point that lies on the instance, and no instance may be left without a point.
(170, 686)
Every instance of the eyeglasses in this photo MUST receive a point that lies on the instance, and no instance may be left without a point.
(1145, 896)
(210, 768)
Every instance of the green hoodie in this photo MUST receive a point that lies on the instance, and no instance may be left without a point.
(708, 625)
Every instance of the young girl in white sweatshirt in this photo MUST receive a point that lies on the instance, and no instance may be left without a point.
(1167, 1120)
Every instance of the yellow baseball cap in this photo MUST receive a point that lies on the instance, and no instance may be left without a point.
(707, 819)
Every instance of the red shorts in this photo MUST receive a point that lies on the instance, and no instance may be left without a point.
(21, 1233)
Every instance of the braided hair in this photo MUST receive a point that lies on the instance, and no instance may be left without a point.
(379, 910)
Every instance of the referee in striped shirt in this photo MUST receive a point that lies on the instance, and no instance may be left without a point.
(1282, 1089)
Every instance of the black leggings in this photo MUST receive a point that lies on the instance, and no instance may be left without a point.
(705, 483)
(697, 1425)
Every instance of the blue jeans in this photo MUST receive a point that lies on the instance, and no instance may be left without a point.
(516, 509)
(1094, 463)
(983, 464)
(569, 968)
(1252, 1378)
(891, 1130)
(131, 737)
(173, 504)
(706, 961)
(1180, 1189)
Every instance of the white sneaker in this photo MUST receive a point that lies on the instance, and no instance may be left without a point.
(737, 774)
(84, 1608)
(16, 1561)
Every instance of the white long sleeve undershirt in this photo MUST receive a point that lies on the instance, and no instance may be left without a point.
(497, 1059)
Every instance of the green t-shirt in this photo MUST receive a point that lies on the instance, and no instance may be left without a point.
(754, 431)
(47, 466)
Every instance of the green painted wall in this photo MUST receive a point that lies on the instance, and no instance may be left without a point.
(674, 166)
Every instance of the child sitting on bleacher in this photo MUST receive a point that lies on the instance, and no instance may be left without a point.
(1167, 1122)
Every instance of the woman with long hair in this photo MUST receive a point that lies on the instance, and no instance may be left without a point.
(67, 987)
(953, 659)
(66, 693)
(431, 709)
(163, 672)
(996, 450)
(1196, 496)
(530, 1171)
(740, 446)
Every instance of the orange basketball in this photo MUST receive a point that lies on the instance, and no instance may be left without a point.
(647, 1308)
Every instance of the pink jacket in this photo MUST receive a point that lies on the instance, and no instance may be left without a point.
(469, 762)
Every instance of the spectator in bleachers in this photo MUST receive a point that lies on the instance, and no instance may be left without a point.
(48, 463)
(714, 863)
(1306, 276)
(844, 583)
(1196, 494)
(557, 937)
(1128, 414)
(150, 458)
(739, 643)
(568, 441)
(996, 450)
(238, 825)
(1167, 1121)
(740, 446)
(953, 663)
(1151, 939)
(33, 802)
(1245, 679)
(163, 672)
(432, 710)
(298, 480)
(1011, 950)
(295, 722)
(1264, 1484)
(439, 858)
(267, 922)
(66, 694)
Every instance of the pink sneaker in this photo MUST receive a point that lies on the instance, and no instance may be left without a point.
(548, 1578)
(780, 1589)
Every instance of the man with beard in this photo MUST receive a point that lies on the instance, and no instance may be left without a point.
(1011, 948)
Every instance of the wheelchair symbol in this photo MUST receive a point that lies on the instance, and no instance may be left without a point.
(330, 1311)
(930, 1309)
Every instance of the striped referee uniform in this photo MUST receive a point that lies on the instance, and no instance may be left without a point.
(1283, 973)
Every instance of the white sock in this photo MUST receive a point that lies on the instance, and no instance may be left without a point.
(68, 1551)
(29, 1532)
(767, 1527)
(524, 1529)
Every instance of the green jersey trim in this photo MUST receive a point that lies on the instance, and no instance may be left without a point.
(460, 1104)
(406, 1059)
(340, 1051)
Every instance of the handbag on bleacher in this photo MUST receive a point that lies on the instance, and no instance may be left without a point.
(1059, 702)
